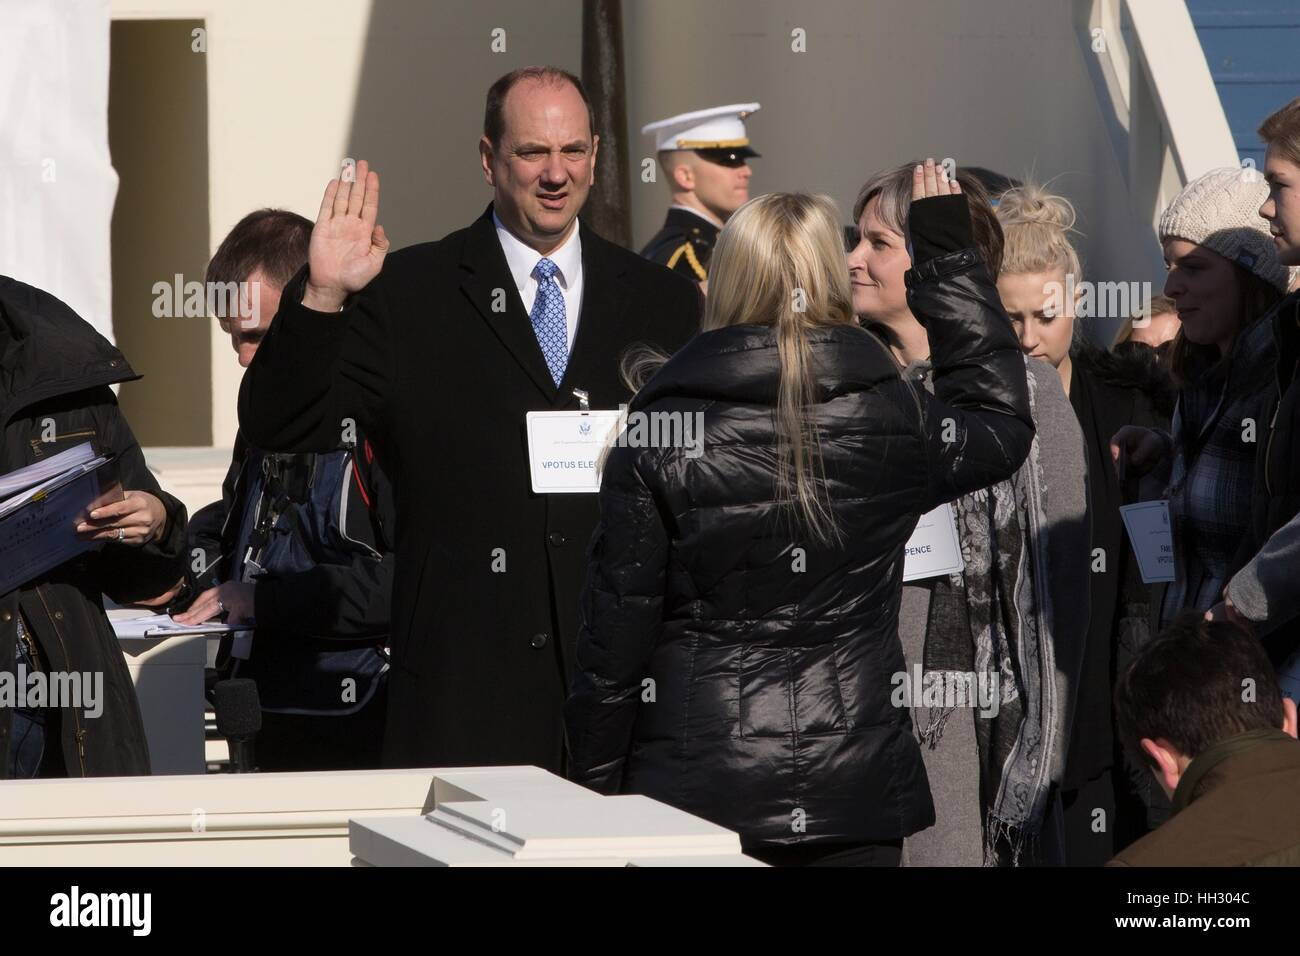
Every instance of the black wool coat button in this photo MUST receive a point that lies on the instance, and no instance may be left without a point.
(539, 640)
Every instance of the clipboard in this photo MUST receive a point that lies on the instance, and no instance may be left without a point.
(164, 625)
(38, 528)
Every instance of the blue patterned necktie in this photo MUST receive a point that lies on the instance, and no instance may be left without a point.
(548, 319)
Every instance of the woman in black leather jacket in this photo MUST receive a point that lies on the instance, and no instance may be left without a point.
(738, 652)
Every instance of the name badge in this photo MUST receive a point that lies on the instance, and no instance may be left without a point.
(1148, 528)
(933, 549)
(564, 449)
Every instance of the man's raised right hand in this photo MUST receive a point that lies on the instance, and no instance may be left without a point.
(347, 247)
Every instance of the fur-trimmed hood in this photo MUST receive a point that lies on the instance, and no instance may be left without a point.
(1130, 365)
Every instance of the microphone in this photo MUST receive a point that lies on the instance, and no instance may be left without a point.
(239, 718)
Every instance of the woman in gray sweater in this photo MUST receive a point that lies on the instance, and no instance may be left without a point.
(997, 646)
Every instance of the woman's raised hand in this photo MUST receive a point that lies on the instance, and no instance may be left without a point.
(929, 180)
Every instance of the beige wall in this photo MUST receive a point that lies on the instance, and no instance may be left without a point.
(281, 79)
(998, 84)
(157, 133)
(296, 85)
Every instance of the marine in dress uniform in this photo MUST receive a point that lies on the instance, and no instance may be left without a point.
(684, 244)
(716, 136)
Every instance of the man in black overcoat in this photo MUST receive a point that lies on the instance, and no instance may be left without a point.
(438, 352)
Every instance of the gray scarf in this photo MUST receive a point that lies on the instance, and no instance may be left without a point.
(993, 621)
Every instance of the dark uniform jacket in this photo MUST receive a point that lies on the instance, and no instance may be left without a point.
(1236, 805)
(485, 596)
(742, 672)
(684, 244)
(55, 368)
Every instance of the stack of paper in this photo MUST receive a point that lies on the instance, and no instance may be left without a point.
(163, 625)
(41, 506)
(19, 487)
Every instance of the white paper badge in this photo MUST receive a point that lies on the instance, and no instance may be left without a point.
(1153, 541)
(563, 449)
(933, 548)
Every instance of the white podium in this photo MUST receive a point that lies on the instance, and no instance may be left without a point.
(523, 816)
(168, 677)
(475, 816)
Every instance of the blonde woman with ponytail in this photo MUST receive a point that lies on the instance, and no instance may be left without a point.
(1040, 282)
(738, 651)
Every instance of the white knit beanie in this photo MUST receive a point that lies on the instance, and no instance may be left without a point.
(1220, 211)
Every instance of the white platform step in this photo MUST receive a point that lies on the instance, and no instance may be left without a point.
(523, 816)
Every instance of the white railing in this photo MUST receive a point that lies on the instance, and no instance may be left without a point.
(1167, 120)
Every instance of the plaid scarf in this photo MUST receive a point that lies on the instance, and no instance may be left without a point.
(993, 620)
(1214, 465)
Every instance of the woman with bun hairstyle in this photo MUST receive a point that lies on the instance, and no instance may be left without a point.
(1040, 267)
(1225, 275)
(1015, 617)
(738, 632)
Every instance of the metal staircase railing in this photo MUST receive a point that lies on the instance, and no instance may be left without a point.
(1166, 121)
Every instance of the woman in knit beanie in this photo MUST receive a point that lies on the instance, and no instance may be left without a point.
(1106, 392)
(1224, 274)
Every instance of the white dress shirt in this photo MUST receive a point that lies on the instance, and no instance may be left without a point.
(522, 259)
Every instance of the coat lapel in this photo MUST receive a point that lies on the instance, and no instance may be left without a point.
(484, 271)
(600, 324)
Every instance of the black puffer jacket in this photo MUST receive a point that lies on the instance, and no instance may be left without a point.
(741, 673)
(55, 370)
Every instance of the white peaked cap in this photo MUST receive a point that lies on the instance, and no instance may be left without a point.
(720, 127)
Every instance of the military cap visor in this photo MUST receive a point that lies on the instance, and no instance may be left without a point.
(727, 155)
